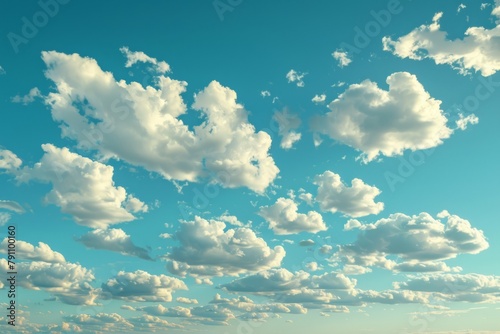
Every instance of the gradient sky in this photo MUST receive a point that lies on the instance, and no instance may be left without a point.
(237, 166)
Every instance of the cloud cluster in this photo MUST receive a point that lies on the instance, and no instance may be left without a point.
(141, 286)
(26, 251)
(140, 125)
(379, 122)
(342, 58)
(283, 218)
(358, 200)
(478, 50)
(416, 243)
(297, 77)
(207, 249)
(82, 188)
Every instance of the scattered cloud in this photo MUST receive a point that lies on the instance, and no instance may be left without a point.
(294, 76)
(283, 218)
(134, 57)
(26, 251)
(342, 58)
(477, 50)
(265, 93)
(464, 121)
(411, 243)
(82, 188)
(319, 98)
(11, 206)
(115, 240)
(306, 243)
(33, 94)
(207, 248)
(375, 121)
(141, 286)
(355, 201)
(287, 124)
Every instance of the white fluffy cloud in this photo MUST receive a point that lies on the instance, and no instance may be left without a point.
(115, 240)
(412, 243)
(140, 125)
(297, 77)
(69, 282)
(358, 200)
(141, 286)
(26, 251)
(283, 218)
(375, 121)
(287, 124)
(207, 248)
(134, 57)
(342, 58)
(82, 188)
(478, 50)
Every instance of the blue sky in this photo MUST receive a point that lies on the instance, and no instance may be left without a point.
(251, 166)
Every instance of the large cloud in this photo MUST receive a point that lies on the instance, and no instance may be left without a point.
(115, 240)
(141, 286)
(82, 188)
(207, 249)
(412, 243)
(355, 201)
(283, 218)
(478, 50)
(375, 121)
(140, 125)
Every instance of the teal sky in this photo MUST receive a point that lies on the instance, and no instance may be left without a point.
(238, 166)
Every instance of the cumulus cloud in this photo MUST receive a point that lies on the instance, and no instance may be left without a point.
(306, 243)
(379, 122)
(134, 57)
(140, 125)
(141, 286)
(106, 322)
(283, 218)
(28, 98)
(342, 58)
(412, 243)
(69, 282)
(456, 287)
(207, 248)
(82, 188)
(185, 300)
(358, 200)
(294, 76)
(287, 124)
(115, 240)
(478, 50)
(319, 98)
(26, 251)
(160, 310)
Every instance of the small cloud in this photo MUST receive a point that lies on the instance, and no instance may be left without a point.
(294, 76)
(28, 98)
(2, 71)
(319, 98)
(265, 93)
(460, 7)
(464, 121)
(342, 57)
(305, 243)
(134, 57)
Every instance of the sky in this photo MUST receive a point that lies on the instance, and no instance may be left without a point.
(237, 166)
